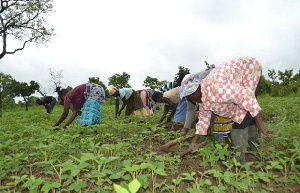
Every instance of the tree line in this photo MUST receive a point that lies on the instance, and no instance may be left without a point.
(280, 83)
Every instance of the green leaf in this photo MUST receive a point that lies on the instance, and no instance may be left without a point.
(134, 186)
(75, 172)
(110, 159)
(208, 182)
(88, 156)
(176, 181)
(143, 179)
(218, 146)
(116, 176)
(68, 167)
(46, 187)
(55, 185)
(144, 165)
(132, 168)
(263, 176)
(160, 171)
(83, 165)
(120, 189)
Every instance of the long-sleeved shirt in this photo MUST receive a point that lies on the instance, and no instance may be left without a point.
(190, 114)
(229, 91)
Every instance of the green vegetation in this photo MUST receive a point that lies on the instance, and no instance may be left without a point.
(123, 155)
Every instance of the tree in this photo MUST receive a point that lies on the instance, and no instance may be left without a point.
(265, 86)
(24, 22)
(5, 81)
(24, 90)
(56, 77)
(273, 75)
(96, 80)
(153, 83)
(150, 82)
(285, 77)
(119, 80)
(181, 70)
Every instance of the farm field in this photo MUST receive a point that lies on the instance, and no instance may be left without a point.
(124, 155)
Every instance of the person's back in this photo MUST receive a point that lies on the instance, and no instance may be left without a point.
(48, 102)
(173, 95)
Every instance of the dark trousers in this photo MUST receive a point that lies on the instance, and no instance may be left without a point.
(241, 138)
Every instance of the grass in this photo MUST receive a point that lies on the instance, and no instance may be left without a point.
(123, 155)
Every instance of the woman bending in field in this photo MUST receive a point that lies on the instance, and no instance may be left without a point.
(131, 100)
(227, 91)
(89, 94)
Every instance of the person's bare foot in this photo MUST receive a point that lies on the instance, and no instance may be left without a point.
(184, 132)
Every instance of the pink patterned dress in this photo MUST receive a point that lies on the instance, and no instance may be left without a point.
(229, 91)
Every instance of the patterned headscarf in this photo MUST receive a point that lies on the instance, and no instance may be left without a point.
(189, 84)
(112, 90)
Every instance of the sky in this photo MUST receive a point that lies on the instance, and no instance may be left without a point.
(100, 38)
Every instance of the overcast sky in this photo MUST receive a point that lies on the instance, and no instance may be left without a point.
(99, 38)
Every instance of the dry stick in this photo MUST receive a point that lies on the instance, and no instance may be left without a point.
(166, 147)
(190, 149)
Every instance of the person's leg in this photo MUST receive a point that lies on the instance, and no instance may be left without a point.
(220, 137)
(253, 137)
(253, 140)
(239, 139)
(181, 109)
(180, 114)
(143, 96)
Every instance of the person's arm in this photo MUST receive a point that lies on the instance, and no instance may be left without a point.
(261, 126)
(172, 107)
(163, 116)
(171, 115)
(117, 107)
(63, 115)
(73, 116)
(170, 103)
(202, 125)
(46, 106)
(125, 102)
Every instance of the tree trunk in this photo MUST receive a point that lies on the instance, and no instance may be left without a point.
(26, 105)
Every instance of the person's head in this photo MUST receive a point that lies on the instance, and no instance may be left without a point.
(195, 97)
(62, 93)
(157, 97)
(190, 88)
(113, 91)
(39, 101)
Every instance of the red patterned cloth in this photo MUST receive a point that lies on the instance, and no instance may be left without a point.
(229, 91)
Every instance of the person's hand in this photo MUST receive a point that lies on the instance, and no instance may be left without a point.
(193, 145)
(65, 126)
(267, 133)
(264, 130)
(119, 113)
(195, 142)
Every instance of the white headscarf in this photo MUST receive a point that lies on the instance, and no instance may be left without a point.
(112, 90)
(189, 84)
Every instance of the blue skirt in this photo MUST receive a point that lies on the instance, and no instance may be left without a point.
(180, 111)
(91, 113)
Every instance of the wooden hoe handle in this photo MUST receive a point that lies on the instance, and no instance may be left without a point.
(166, 147)
(190, 149)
